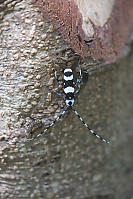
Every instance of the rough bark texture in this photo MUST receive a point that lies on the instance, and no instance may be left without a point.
(88, 35)
(67, 162)
(26, 70)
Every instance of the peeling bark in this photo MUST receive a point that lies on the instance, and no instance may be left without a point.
(96, 28)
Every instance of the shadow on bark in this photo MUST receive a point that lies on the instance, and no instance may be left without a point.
(69, 163)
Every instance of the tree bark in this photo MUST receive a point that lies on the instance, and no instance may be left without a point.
(92, 28)
(29, 44)
(67, 162)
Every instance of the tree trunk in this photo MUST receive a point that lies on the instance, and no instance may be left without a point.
(66, 162)
(28, 47)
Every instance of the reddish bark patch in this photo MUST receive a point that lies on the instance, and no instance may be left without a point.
(107, 42)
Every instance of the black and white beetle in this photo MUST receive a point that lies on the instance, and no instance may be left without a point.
(69, 94)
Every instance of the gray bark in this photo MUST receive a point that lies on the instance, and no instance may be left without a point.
(27, 47)
(67, 162)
